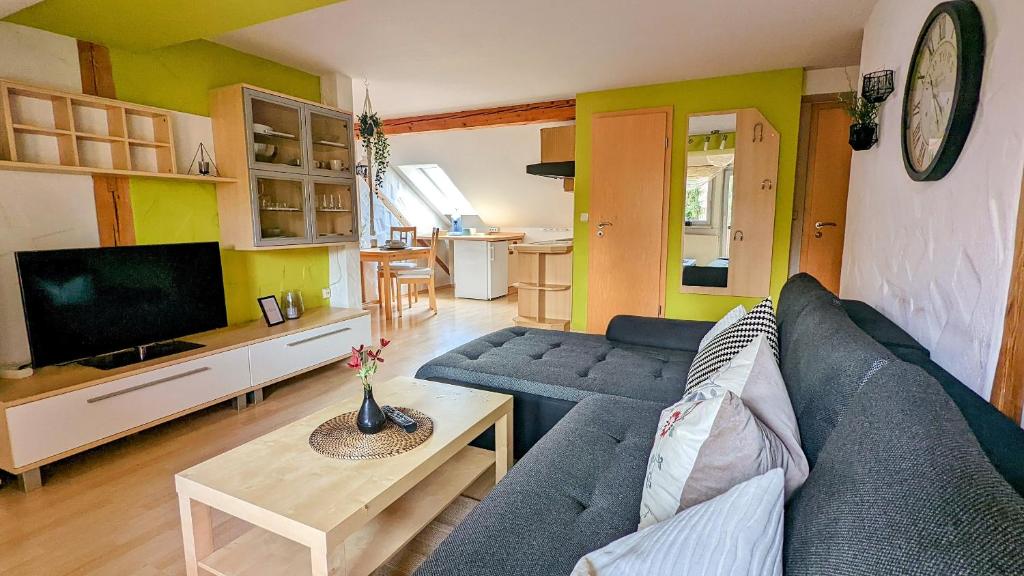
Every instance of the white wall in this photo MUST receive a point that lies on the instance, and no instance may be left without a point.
(489, 167)
(38, 211)
(831, 80)
(936, 257)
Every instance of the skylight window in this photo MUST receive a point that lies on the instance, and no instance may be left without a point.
(434, 185)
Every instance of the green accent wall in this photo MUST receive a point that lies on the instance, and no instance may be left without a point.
(776, 94)
(149, 24)
(180, 78)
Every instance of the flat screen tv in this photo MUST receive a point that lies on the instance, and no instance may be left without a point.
(83, 303)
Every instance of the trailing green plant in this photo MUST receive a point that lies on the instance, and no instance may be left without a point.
(375, 144)
(859, 109)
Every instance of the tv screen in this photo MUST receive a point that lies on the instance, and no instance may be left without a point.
(86, 302)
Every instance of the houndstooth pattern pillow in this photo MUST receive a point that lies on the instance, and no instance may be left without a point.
(722, 349)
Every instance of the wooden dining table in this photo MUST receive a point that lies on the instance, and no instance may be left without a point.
(384, 258)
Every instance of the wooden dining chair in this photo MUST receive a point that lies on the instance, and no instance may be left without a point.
(406, 234)
(412, 279)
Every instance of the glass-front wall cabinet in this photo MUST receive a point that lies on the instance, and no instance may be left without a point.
(335, 216)
(283, 211)
(300, 162)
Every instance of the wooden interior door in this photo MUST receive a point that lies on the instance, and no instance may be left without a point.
(828, 184)
(630, 164)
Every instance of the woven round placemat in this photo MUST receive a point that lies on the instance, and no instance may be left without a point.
(340, 438)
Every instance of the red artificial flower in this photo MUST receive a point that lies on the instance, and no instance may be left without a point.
(354, 361)
(375, 355)
(384, 342)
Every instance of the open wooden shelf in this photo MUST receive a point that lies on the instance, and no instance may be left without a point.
(58, 169)
(259, 552)
(547, 287)
(543, 276)
(44, 130)
(543, 323)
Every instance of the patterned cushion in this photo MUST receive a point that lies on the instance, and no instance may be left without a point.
(732, 317)
(705, 444)
(736, 534)
(722, 348)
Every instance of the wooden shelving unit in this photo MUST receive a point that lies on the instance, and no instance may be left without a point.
(44, 130)
(544, 281)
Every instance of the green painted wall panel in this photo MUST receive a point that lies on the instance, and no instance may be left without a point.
(776, 94)
(179, 78)
(149, 24)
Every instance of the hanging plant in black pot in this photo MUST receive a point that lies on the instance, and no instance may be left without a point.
(864, 113)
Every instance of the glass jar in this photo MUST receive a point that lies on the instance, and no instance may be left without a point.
(291, 304)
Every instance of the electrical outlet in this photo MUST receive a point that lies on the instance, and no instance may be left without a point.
(326, 293)
(493, 229)
(584, 217)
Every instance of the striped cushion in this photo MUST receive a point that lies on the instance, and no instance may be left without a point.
(736, 534)
(727, 344)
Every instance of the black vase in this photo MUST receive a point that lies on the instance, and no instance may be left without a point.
(863, 136)
(370, 419)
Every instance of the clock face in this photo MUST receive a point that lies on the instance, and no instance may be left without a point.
(932, 91)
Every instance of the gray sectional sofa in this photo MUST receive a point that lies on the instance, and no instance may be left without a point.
(912, 473)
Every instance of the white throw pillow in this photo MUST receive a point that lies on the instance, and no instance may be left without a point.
(706, 443)
(738, 533)
(729, 319)
(754, 376)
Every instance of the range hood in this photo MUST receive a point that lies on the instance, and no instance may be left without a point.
(557, 156)
(553, 169)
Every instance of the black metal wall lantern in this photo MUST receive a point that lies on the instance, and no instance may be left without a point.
(877, 86)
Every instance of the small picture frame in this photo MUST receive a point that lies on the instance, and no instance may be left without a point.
(271, 310)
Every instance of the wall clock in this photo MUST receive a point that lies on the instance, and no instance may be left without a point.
(943, 88)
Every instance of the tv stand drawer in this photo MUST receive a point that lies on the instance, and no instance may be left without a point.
(279, 358)
(51, 426)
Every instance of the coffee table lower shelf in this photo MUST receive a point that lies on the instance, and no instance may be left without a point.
(259, 552)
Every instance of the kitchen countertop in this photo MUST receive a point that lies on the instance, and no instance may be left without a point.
(492, 237)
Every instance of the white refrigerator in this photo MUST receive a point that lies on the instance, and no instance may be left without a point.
(481, 269)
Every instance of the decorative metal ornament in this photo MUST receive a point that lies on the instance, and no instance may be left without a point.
(202, 161)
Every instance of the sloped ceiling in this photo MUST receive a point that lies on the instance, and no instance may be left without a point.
(150, 24)
(489, 166)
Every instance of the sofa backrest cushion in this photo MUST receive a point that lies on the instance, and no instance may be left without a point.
(883, 330)
(826, 362)
(682, 335)
(902, 487)
(1001, 439)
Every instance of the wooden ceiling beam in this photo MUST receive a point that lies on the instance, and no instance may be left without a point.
(552, 111)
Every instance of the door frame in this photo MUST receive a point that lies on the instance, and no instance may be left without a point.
(666, 196)
(1008, 385)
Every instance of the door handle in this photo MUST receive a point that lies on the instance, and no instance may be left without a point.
(819, 225)
(603, 225)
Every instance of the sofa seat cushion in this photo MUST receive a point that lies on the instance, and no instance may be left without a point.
(564, 365)
(576, 491)
(902, 487)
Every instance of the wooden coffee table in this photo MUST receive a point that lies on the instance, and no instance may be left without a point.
(317, 515)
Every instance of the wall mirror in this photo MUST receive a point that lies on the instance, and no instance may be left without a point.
(732, 162)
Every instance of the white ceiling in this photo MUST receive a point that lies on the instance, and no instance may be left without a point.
(441, 55)
(8, 7)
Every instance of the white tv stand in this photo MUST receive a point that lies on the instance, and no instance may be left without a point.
(63, 410)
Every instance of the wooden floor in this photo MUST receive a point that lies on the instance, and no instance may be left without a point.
(113, 511)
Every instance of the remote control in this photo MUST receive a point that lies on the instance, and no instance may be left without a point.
(400, 418)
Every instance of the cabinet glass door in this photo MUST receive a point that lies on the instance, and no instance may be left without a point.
(330, 142)
(281, 210)
(276, 133)
(336, 210)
